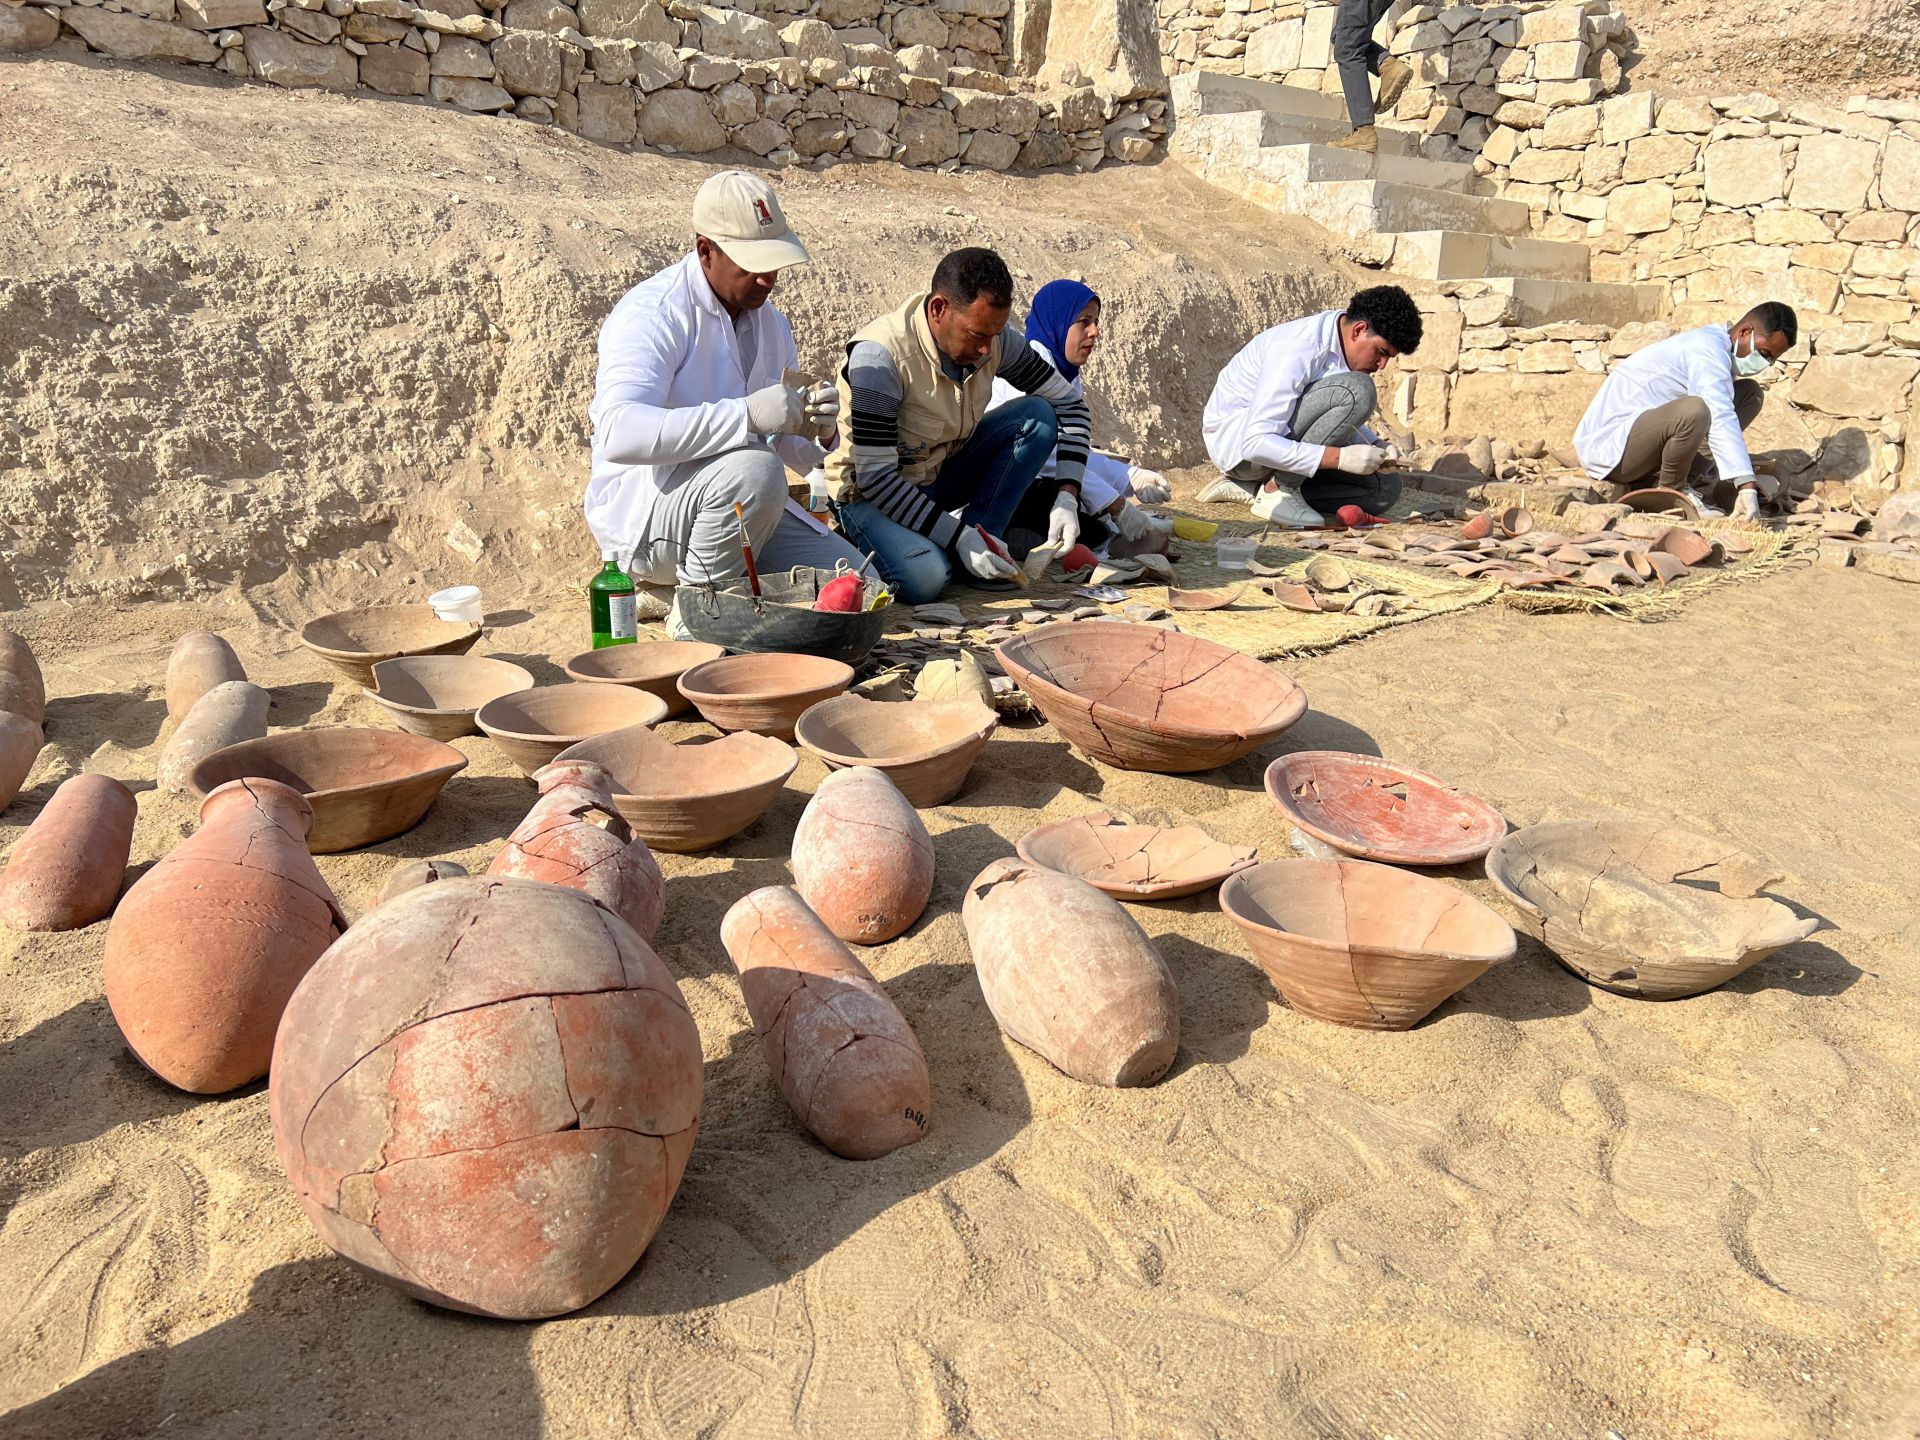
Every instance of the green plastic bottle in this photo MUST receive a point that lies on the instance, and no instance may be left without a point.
(610, 597)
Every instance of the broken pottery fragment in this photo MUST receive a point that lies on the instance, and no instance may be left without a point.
(694, 795)
(1608, 575)
(1571, 555)
(1689, 547)
(862, 858)
(1134, 862)
(206, 946)
(1323, 572)
(232, 711)
(1638, 563)
(1070, 975)
(65, 872)
(842, 1053)
(925, 749)
(1294, 597)
(1625, 904)
(574, 837)
(21, 739)
(22, 690)
(1378, 810)
(485, 1095)
(1202, 599)
(1666, 568)
(953, 679)
(1657, 501)
(412, 874)
(198, 661)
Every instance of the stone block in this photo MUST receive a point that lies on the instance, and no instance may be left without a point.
(655, 67)
(680, 119)
(1275, 48)
(842, 13)
(1872, 225)
(1830, 255)
(1832, 172)
(1745, 172)
(1892, 562)
(1046, 150)
(974, 109)
(628, 20)
(1602, 166)
(990, 150)
(232, 14)
(281, 60)
(315, 26)
(1521, 115)
(1510, 406)
(762, 137)
(1626, 117)
(468, 94)
(548, 15)
(128, 37)
(1641, 209)
(871, 144)
(606, 112)
(27, 29)
(1891, 264)
(1790, 227)
(394, 70)
(1687, 116)
(1019, 116)
(872, 111)
(1560, 61)
(1656, 157)
(1856, 386)
(528, 62)
(1546, 167)
(1550, 357)
(375, 29)
(706, 74)
(1569, 129)
(918, 25)
(1316, 38)
(462, 58)
(1560, 24)
(929, 135)
(1899, 172)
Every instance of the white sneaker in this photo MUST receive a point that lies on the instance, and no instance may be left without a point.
(652, 602)
(1225, 492)
(676, 627)
(1281, 506)
(1746, 504)
(1699, 502)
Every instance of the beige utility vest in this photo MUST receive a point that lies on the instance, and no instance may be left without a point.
(937, 412)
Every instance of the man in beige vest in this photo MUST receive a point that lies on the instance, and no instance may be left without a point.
(931, 482)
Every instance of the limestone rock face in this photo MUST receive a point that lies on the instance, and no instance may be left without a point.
(1848, 385)
(1833, 172)
(28, 28)
(628, 20)
(1745, 172)
(529, 62)
(607, 113)
(394, 70)
(128, 37)
(478, 95)
(680, 118)
(929, 135)
(1114, 41)
(280, 60)
(1900, 172)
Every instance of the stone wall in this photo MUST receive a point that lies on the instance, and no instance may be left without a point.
(808, 81)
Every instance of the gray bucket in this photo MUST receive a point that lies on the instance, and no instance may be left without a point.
(781, 618)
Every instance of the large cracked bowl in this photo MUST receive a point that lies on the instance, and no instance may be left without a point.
(354, 641)
(1363, 945)
(1134, 862)
(925, 747)
(1142, 698)
(654, 666)
(691, 796)
(1377, 810)
(437, 695)
(533, 726)
(765, 692)
(1644, 910)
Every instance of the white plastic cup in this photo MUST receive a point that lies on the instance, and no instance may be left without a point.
(459, 604)
(1234, 551)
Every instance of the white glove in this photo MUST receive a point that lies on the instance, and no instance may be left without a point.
(1362, 459)
(1746, 503)
(1134, 522)
(1150, 487)
(823, 406)
(777, 410)
(981, 559)
(1063, 522)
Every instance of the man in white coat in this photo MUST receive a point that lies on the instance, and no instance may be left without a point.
(690, 415)
(1660, 406)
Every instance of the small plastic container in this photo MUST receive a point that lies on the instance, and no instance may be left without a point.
(458, 603)
(1234, 551)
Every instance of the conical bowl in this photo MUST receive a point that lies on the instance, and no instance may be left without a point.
(654, 666)
(354, 641)
(925, 747)
(533, 726)
(437, 695)
(763, 692)
(1377, 810)
(690, 796)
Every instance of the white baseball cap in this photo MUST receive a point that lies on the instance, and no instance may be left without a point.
(741, 214)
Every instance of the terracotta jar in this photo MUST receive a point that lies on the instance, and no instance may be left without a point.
(22, 691)
(575, 837)
(232, 711)
(207, 946)
(412, 874)
(199, 661)
(20, 742)
(841, 1051)
(486, 1093)
(65, 872)
(862, 858)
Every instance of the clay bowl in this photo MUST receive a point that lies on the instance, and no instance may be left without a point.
(654, 666)
(1656, 501)
(364, 785)
(533, 726)
(692, 796)
(1360, 944)
(1641, 909)
(1142, 698)
(1378, 810)
(1134, 862)
(354, 641)
(437, 695)
(763, 692)
(926, 748)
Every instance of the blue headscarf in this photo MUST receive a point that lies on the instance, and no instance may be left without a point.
(1056, 305)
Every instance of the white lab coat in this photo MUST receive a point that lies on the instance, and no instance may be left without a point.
(1694, 362)
(1107, 478)
(1249, 415)
(672, 388)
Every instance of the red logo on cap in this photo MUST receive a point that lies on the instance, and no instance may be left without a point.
(766, 215)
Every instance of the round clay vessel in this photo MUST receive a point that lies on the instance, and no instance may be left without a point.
(765, 693)
(1378, 810)
(574, 837)
(925, 748)
(1363, 945)
(1134, 862)
(1656, 501)
(842, 1053)
(354, 641)
(861, 857)
(437, 695)
(694, 795)
(412, 874)
(365, 786)
(22, 690)
(198, 661)
(960, 678)
(206, 947)
(20, 742)
(654, 666)
(1142, 698)
(1627, 905)
(1512, 521)
(65, 872)
(230, 713)
(1479, 527)
(532, 727)
(485, 1095)
(1070, 975)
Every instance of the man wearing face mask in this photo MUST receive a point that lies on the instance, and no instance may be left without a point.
(1661, 406)
(1286, 420)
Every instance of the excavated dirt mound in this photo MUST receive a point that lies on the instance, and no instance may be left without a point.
(1818, 50)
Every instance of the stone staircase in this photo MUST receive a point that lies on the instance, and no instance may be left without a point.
(1409, 209)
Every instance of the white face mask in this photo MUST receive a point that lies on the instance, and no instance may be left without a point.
(1750, 364)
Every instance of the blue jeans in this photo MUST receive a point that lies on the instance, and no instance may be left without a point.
(986, 479)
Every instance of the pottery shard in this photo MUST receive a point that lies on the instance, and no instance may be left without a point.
(1069, 974)
(66, 870)
(230, 712)
(844, 1056)
(574, 837)
(207, 946)
(862, 858)
(412, 874)
(200, 660)
(485, 1094)
(956, 679)
(20, 742)
(22, 690)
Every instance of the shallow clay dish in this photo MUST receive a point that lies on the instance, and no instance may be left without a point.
(437, 695)
(926, 748)
(533, 726)
(690, 796)
(1202, 599)
(766, 693)
(354, 641)
(654, 666)
(1142, 698)
(1134, 862)
(1656, 501)
(364, 785)
(1643, 909)
(1378, 810)
(1360, 944)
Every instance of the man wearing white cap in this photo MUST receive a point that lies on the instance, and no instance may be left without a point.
(690, 416)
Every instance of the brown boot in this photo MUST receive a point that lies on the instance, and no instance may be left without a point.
(1362, 139)
(1394, 78)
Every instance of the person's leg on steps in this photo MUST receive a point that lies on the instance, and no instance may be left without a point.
(1355, 52)
(988, 476)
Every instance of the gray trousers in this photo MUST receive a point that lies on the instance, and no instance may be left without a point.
(693, 535)
(1333, 408)
(1667, 445)
(1358, 54)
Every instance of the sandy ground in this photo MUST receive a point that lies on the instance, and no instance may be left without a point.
(1547, 1211)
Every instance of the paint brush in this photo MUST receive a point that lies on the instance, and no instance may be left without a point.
(746, 549)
